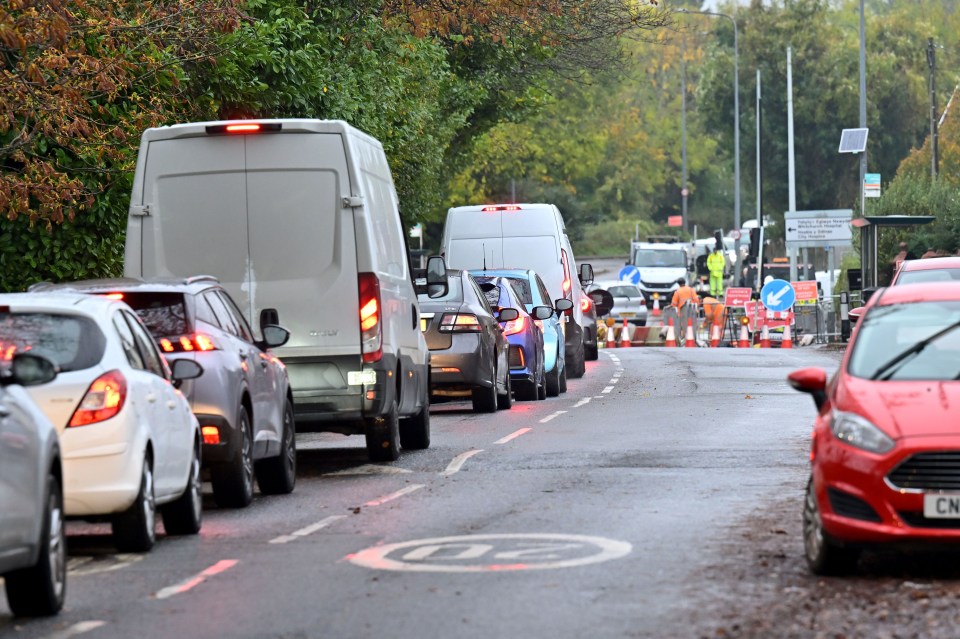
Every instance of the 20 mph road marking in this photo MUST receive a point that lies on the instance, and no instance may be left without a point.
(196, 580)
(392, 496)
(514, 435)
(307, 530)
(457, 462)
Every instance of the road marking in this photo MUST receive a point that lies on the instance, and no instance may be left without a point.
(458, 461)
(607, 390)
(196, 580)
(549, 417)
(585, 400)
(598, 396)
(392, 496)
(80, 566)
(491, 553)
(369, 469)
(514, 435)
(307, 530)
(77, 629)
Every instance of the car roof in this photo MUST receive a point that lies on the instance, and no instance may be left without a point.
(91, 305)
(931, 264)
(129, 284)
(921, 292)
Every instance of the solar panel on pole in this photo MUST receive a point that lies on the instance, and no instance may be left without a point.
(853, 140)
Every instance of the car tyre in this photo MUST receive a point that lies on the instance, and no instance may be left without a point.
(278, 475)
(415, 430)
(526, 391)
(590, 351)
(578, 367)
(383, 436)
(134, 530)
(824, 555)
(505, 401)
(553, 381)
(39, 590)
(563, 379)
(485, 398)
(233, 481)
(184, 516)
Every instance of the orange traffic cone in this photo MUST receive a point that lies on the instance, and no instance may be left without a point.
(744, 337)
(765, 337)
(689, 340)
(625, 335)
(656, 306)
(671, 337)
(715, 336)
(787, 338)
(611, 338)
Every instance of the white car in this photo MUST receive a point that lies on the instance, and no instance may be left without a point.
(129, 441)
(628, 301)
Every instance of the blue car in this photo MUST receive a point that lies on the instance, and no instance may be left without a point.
(533, 294)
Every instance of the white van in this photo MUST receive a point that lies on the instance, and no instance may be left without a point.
(297, 217)
(522, 236)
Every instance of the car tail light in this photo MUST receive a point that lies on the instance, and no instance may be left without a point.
(515, 326)
(371, 336)
(113, 296)
(103, 400)
(459, 323)
(187, 344)
(211, 434)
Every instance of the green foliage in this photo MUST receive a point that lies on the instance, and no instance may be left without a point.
(611, 238)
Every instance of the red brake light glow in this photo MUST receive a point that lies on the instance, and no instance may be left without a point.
(103, 400)
(187, 344)
(459, 323)
(515, 326)
(508, 207)
(243, 128)
(371, 337)
(585, 304)
(211, 434)
(114, 296)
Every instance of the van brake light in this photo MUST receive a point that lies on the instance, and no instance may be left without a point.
(243, 128)
(508, 207)
(371, 337)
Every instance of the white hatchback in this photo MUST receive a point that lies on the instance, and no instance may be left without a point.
(129, 440)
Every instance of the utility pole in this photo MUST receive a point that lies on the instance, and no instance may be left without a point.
(934, 151)
(684, 192)
(863, 105)
(759, 281)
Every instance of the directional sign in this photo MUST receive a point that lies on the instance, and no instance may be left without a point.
(871, 185)
(818, 229)
(736, 297)
(778, 295)
(630, 273)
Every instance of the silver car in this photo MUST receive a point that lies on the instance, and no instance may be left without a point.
(33, 560)
(628, 301)
(243, 400)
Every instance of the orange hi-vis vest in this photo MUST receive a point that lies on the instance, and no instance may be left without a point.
(684, 294)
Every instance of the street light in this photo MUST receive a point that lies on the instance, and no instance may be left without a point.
(736, 122)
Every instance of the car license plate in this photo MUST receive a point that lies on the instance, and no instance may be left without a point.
(941, 506)
(627, 314)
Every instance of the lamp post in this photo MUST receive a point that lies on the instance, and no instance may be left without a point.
(736, 124)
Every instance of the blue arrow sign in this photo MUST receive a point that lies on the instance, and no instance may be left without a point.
(630, 273)
(778, 295)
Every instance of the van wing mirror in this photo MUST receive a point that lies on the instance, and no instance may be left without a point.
(562, 304)
(269, 317)
(433, 282)
(586, 274)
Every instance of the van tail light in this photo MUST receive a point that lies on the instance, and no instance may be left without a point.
(567, 282)
(585, 304)
(371, 335)
(509, 207)
(103, 400)
(515, 326)
(459, 323)
(187, 344)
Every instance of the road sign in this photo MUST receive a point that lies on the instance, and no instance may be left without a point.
(871, 185)
(806, 292)
(777, 295)
(736, 297)
(818, 229)
(416, 230)
(684, 192)
(630, 273)
(735, 234)
(675, 220)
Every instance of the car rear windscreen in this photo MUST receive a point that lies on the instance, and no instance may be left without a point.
(71, 342)
(929, 275)
(164, 314)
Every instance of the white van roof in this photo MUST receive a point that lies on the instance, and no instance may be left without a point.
(284, 125)
(503, 219)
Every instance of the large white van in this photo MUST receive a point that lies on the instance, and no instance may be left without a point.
(523, 236)
(297, 217)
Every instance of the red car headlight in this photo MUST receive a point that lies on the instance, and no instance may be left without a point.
(859, 432)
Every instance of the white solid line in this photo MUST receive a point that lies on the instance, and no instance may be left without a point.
(549, 417)
(504, 440)
(585, 400)
(607, 389)
(196, 580)
(392, 496)
(77, 629)
(307, 530)
(458, 461)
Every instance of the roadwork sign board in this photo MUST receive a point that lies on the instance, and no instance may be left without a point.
(818, 229)
(736, 297)
(806, 292)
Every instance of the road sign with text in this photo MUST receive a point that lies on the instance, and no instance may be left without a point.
(818, 229)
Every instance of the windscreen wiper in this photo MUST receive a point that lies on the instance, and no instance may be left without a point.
(887, 371)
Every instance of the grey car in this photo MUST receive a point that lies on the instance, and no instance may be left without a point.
(243, 400)
(33, 560)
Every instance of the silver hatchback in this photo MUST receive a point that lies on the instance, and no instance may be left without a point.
(243, 400)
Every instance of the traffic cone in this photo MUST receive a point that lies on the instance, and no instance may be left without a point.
(765, 337)
(656, 306)
(671, 337)
(787, 338)
(715, 336)
(611, 338)
(690, 341)
(744, 337)
(625, 335)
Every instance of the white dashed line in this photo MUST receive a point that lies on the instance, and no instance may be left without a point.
(307, 530)
(504, 440)
(77, 629)
(549, 417)
(457, 462)
(585, 400)
(392, 496)
(196, 580)
(598, 396)
(607, 389)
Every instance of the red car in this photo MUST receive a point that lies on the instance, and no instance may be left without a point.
(932, 269)
(885, 455)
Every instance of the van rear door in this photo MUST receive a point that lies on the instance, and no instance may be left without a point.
(475, 239)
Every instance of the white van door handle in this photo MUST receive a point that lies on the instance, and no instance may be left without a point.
(152, 398)
(413, 308)
(171, 404)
